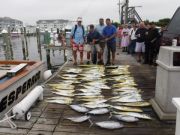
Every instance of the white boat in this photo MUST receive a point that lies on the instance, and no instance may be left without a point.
(17, 79)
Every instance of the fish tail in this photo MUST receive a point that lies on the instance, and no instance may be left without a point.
(110, 115)
(91, 123)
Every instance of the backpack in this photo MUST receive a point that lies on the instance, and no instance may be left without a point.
(76, 29)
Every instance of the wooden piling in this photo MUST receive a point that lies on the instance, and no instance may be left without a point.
(47, 42)
(10, 44)
(23, 45)
(38, 43)
(26, 43)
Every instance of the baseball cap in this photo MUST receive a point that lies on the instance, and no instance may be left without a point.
(79, 19)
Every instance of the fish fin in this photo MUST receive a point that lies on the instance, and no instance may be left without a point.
(110, 115)
(91, 123)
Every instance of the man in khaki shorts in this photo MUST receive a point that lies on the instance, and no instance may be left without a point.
(93, 39)
(99, 28)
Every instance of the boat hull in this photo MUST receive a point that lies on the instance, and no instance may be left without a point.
(13, 90)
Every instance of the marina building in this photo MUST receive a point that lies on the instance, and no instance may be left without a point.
(52, 24)
(12, 23)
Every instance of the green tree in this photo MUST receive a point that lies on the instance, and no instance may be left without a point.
(163, 22)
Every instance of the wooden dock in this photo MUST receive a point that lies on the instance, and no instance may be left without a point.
(48, 119)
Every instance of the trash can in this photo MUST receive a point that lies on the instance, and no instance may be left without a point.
(167, 82)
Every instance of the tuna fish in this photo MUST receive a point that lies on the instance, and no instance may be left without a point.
(109, 124)
(79, 108)
(99, 111)
(79, 119)
(125, 118)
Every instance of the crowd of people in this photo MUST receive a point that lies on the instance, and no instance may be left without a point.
(100, 41)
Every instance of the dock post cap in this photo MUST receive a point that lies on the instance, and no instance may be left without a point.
(4, 31)
(176, 102)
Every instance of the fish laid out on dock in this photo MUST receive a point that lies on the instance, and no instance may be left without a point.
(84, 89)
(109, 124)
(78, 119)
(137, 115)
(136, 104)
(127, 109)
(99, 111)
(125, 118)
(79, 108)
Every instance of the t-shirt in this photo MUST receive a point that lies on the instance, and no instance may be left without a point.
(153, 35)
(93, 35)
(141, 35)
(99, 28)
(119, 33)
(108, 32)
(132, 34)
(78, 35)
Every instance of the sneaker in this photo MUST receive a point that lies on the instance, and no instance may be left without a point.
(75, 63)
(88, 62)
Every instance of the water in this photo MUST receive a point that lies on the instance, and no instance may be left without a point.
(57, 57)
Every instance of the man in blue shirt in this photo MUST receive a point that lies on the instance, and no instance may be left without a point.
(109, 34)
(77, 40)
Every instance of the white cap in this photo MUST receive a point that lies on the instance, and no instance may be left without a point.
(79, 19)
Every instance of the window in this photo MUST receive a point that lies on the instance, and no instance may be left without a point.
(176, 59)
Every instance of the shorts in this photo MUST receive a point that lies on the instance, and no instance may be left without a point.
(102, 45)
(79, 48)
(89, 48)
(140, 47)
(111, 47)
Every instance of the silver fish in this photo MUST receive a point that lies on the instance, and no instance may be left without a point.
(79, 119)
(99, 111)
(79, 108)
(88, 94)
(126, 118)
(109, 124)
(66, 94)
(137, 115)
(56, 101)
(94, 106)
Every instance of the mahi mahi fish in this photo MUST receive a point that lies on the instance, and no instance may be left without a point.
(79, 119)
(127, 109)
(109, 124)
(137, 115)
(136, 104)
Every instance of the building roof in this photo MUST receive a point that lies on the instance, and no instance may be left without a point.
(8, 19)
(52, 21)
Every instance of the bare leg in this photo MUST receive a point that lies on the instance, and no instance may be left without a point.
(81, 57)
(139, 57)
(113, 58)
(75, 57)
(88, 56)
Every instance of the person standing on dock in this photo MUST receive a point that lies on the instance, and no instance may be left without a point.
(99, 28)
(109, 33)
(93, 39)
(140, 44)
(125, 38)
(132, 45)
(153, 36)
(78, 40)
(119, 35)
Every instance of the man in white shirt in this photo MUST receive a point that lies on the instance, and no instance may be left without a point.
(133, 38)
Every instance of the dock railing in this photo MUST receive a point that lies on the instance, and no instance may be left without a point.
(176, 102)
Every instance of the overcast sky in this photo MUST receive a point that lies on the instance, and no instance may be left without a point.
(29, 11)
